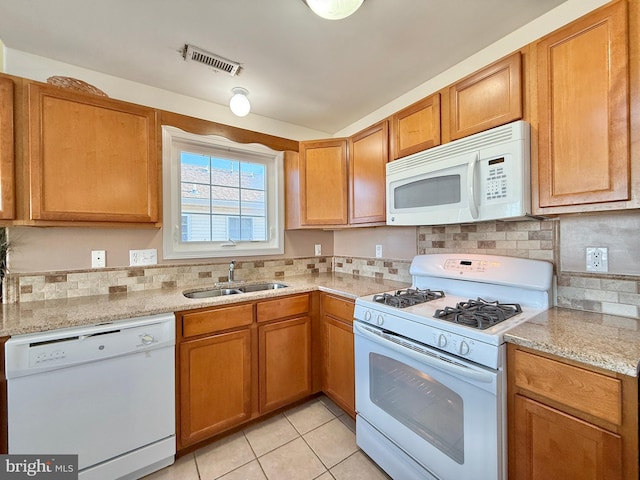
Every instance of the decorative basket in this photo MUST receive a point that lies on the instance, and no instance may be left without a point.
(75, 84)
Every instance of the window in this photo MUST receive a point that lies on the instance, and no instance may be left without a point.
(221, 198)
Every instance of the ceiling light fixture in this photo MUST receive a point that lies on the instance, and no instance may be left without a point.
(334, 9)
(239, 103)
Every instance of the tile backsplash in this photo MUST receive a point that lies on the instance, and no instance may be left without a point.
(28, 287)
(533, 239)
(560, 241)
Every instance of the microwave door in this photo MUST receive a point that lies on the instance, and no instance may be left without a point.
(436, 192)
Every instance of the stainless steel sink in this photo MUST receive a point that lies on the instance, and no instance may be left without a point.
(262, 286)
(220, 292)
(212, 292)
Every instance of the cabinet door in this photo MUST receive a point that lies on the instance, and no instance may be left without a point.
(338, 379)
(416, 127)
(7, 179)
(551, 444)
(215, 384)
(323, 182)
(285, 362)
(582, 76)
(91, 158)
(368, 156)
(487, 99)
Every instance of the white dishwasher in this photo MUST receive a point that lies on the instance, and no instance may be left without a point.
(105, 392)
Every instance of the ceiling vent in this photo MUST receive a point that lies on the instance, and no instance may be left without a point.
(212, 60)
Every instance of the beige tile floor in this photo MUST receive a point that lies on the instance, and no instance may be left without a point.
(315, 440)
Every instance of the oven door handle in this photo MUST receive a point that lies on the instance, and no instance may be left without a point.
(424, 358)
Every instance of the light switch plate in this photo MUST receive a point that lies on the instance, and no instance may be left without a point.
(318, 250)
(143, 257)
(378, 251)
(98, 258)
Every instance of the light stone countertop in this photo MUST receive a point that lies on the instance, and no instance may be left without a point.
(30, 317)
(604, 341)
(595, 339)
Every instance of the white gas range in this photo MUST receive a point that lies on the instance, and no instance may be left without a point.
(430, 383)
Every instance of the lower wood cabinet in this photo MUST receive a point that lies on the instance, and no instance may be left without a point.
(215, 384)
(569, 421)
(285, 362)
(338, 374)
(240, 361)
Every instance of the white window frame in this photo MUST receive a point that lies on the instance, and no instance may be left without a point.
(173, 248)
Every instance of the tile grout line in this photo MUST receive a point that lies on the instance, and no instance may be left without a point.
(255, 456)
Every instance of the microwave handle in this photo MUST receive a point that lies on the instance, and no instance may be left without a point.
(471, 185)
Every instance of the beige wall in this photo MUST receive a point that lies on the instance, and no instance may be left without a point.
(619, 232)
(397, 242)
(55, 249)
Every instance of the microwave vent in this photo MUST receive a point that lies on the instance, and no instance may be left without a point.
(489, 138)
(212, 60)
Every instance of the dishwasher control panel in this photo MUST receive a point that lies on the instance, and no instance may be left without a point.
(26, 354)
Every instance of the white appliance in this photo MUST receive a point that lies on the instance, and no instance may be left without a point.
(430, 379)
(481, 177)
(104, 392)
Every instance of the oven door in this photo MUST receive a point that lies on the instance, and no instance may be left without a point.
(443, 413)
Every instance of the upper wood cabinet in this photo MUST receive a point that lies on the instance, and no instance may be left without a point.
(7, 152)
(582, 81)
(486, 99)
(368, 156)
(323, 182)
(416, 127)
(90, 159)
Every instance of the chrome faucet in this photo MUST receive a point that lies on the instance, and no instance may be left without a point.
(232, 267)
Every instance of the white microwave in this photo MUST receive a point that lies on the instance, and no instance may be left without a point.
(477, 178)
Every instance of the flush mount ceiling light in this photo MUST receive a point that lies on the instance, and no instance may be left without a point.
(239, 103)
(334, 9)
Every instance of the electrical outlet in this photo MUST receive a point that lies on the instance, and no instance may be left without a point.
(98, 258)
(378, 251)
(143, 257)
(318, 250)
(597, 259)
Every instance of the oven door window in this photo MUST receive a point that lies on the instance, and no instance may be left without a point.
(427, 407)
(428, 192)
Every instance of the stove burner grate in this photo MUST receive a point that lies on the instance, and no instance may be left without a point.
(408, 297)
(480, 314)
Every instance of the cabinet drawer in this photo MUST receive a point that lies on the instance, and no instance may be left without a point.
(282, 307)
(589, 392)
(216, 320)
(337, 307)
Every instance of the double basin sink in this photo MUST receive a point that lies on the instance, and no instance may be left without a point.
(220, 292)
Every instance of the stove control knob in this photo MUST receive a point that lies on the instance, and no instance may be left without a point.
(380, 320)
(367, 316)
(442, 341)
(463, 349)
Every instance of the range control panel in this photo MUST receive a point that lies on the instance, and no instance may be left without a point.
(458, 264)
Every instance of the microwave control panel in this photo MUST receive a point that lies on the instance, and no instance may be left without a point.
(496, 180)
